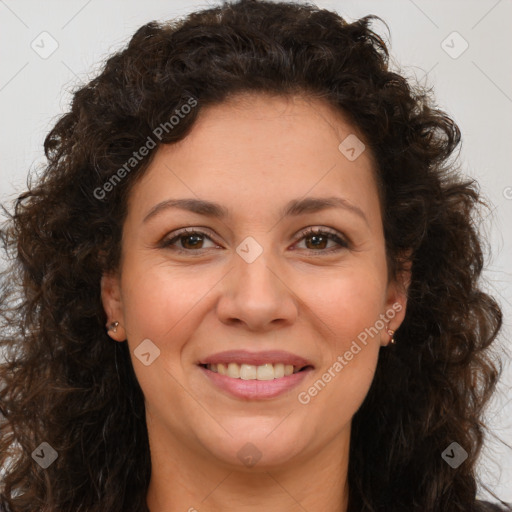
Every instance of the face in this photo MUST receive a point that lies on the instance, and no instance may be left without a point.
(255, 287)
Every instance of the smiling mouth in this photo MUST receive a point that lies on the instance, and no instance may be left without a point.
(268, 371)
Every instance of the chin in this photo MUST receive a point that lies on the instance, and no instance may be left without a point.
(256, 450)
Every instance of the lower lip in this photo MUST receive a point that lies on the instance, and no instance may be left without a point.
(256, 389)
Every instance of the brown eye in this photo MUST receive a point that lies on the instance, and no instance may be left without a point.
(189, 241)
(316, 240)
(192, 241)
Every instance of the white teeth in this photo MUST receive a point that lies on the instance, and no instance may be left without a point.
(248, 372)
(233, 370)
(279, 370)
(267, 371)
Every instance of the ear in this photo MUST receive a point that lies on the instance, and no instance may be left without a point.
(113, 306)
(396, 298)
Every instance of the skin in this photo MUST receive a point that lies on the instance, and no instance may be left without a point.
(252, 155)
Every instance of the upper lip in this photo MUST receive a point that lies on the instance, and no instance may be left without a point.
(256, 358)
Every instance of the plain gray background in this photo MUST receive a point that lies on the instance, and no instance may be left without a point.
(470, 70)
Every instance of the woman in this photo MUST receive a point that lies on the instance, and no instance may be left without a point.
(249, 281)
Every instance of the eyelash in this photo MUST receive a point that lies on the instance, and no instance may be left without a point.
(331, 235)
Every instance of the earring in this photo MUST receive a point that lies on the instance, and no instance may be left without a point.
(113, 326)
(392, 340)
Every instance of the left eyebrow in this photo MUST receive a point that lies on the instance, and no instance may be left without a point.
(315, 204)
(294, 208)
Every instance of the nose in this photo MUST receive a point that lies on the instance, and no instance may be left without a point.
(257, 296)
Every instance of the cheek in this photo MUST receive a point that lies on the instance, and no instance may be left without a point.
(349, 306)
(162, 304)
(349, 310)
(343, 395)
(158, 299)
(348, 303)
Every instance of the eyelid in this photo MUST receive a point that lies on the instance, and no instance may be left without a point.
(170, 237)
(321, 229)
(343, 242)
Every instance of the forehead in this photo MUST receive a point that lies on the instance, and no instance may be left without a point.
(312, 122)
(255, 150)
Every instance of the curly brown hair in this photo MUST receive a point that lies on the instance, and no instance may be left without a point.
(63, 382)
